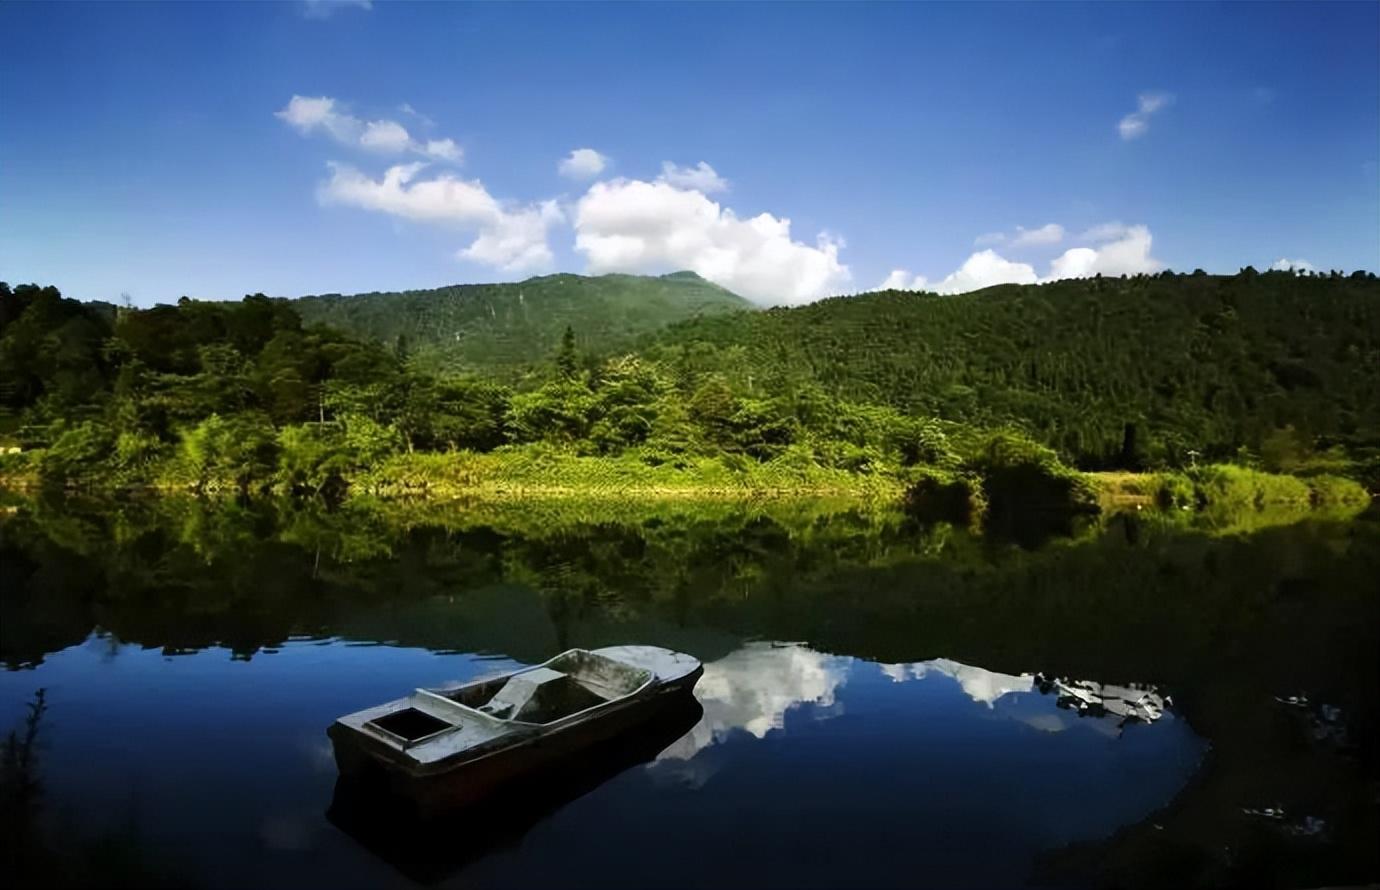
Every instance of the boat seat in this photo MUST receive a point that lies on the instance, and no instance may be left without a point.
(509, 701)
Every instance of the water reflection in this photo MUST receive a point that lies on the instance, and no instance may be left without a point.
(978, 684)
(1135, 703)
(784, 727)
(921, 714)
(751, 690)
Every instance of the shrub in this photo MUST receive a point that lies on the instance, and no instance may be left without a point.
(1226, 485)
(940, 496)
(310, 459)
(80, 450)
(1018, 474)
(1327, 490)
(1176, 490)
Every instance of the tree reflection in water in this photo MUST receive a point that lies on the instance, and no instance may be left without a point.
(41, 849)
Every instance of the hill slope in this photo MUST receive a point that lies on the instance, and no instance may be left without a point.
(1197, 362)
(499, 329)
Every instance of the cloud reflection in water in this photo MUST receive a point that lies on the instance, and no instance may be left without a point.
(753, 688)
(751, 691)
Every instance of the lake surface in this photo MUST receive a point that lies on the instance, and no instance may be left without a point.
(884, 703)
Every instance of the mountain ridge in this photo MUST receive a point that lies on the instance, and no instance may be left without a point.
(504, 328)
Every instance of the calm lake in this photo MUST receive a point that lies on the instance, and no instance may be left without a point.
(1137, 700)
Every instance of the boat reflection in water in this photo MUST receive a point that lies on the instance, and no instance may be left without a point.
(1119, 705)
(431, 847)
(1128, 704)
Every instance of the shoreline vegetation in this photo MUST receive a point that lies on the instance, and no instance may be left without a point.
(999, 490)
(1242, 392)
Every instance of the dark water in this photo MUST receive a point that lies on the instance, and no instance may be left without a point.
(884, 703)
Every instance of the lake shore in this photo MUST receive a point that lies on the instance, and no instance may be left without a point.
(509, 477)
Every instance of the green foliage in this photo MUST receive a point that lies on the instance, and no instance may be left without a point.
(940, 496)
(1242, 487)
(1237, 488)
(51, 349)
(309, 459)
(456, 414)
(1329, 490)
(137, 452)
(367, 442)
(1176, 490)
(534, 470)
(78, 452)
(1019, 475)
(235, 452)
(558, 412)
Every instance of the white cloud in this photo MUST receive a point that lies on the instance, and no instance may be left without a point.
(1128, 255)
(1287, 265)
(701, 177)
(385, 136)
(324, 9)
(632, 225)
(443, 150)
(508, 237)
(583, 163)
(406, 108)
(1110, 231)
(1137, 123)
(517, 241)
(308, 115)
(985, 269)
(1050, 233)
(1122, 250)
(901, 279)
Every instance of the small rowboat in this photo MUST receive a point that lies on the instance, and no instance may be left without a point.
(443, 748)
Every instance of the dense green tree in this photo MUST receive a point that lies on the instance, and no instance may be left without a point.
(567, 361)
(559, 412)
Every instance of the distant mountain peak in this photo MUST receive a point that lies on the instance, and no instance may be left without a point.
(503, 328)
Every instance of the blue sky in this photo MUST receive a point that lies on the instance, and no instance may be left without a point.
(157, 150)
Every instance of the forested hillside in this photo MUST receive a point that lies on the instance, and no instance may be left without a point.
(502, 329)
(1162, 373)
(1110, 371)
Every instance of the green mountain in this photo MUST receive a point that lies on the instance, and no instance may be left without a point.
(500, 329)
(1172, 363)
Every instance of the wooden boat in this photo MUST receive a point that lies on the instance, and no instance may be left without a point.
(443, 748)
